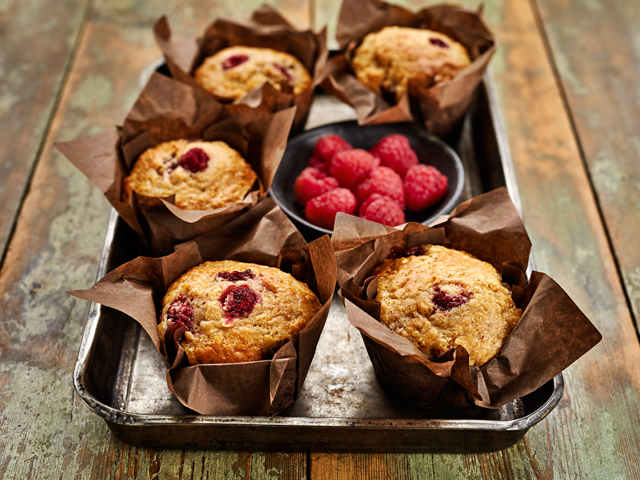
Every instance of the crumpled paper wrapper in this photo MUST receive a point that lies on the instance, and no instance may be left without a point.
(551, 334)
(266, 29)
(169, 110)
(263, 235)
(438, 107)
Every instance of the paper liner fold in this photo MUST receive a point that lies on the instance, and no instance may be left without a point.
(263, 387)
(551, 334)
(438, 107)
(265, 29)
(169, 110)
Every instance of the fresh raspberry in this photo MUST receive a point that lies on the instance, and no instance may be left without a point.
(181, 312)
(395, 152)
(234, 61)
(312, 182)
(238, 302)
(328, 146)
(382, 209)
(384, 181)
(351, 167)
(195, 160)
(424, 185)
(320, 164)
(446, 301)
(322, 210)
(236, 276)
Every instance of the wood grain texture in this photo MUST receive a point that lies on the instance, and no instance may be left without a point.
(45, 431)
(594, 432)
(595, 50)
(34, 57)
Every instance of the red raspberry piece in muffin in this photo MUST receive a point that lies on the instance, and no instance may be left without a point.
(180, 312)
(285, 73)
(195, 160)
(382, 209)
(395, 152)
(438, 43)
(312, 182)
(328, 146)
(424, 185)
(351, 167)
(384, 181)
(445, 301)
(236, 276)
(322, 210)
(398, 252)
(234, 61)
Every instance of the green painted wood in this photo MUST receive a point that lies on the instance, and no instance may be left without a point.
(595, 430)
(595, 49)
(37, 39)
(45, 431)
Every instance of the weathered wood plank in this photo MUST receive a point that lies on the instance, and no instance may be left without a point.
(595, 50)
(45, 431)
(594, 431)
(37, 41)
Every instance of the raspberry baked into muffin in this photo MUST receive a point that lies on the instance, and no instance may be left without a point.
(201, 175)
(438, 298)
(236, 312)
(387, 59)
(233, 72)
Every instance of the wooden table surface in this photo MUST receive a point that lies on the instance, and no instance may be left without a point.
(567, 75)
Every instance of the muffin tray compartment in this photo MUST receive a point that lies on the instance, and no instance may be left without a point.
(120, 376)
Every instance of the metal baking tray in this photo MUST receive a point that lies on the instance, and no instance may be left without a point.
(341, 407)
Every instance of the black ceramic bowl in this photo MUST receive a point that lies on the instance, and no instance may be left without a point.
(430, 151)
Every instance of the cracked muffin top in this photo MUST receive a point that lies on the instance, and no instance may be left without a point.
(387, 59)
(235, 311)
(438, 298)
(201, 175)
(233, 72)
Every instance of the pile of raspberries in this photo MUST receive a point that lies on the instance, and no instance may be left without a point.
(378, 184)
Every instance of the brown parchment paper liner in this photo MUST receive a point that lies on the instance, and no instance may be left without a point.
(262, 235)
(551, 334)
(266, 29)
(169, 110)
(438, 107)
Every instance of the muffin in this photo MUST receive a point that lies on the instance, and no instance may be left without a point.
(201, 175)
(236, 312)
(438, 298)
(387, 59)
(233, 72)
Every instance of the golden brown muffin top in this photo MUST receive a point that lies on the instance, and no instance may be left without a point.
(235, 311)
(445, 298)
(201, 175)
(387, 59)
(233, 72)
